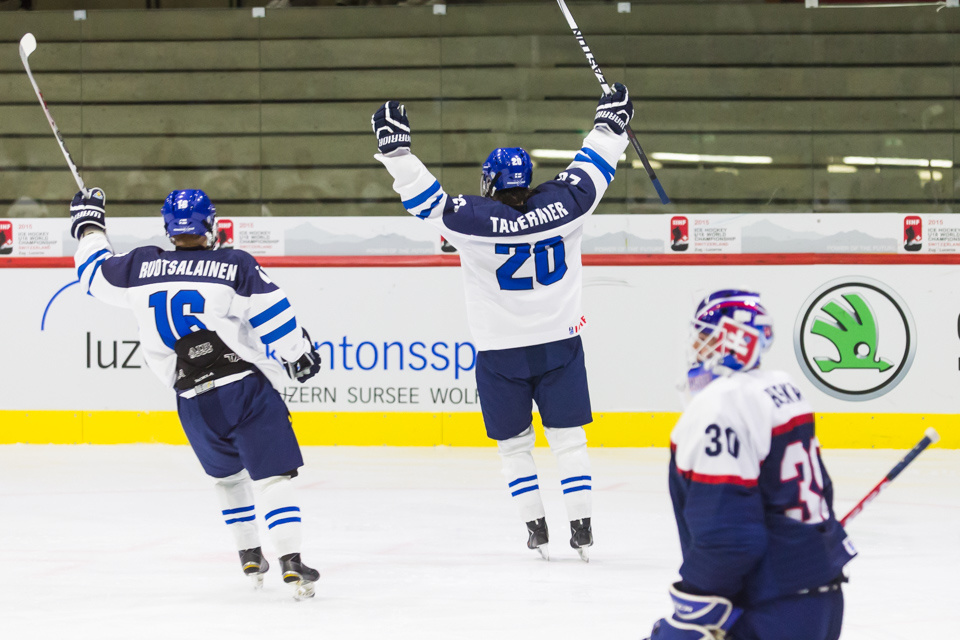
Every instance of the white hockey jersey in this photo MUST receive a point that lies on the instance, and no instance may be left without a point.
(173, 293)
(753, 501)
(522, 269)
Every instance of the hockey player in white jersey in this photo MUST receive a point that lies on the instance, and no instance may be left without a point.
(763, 553)
(206, 320)
(520, 253)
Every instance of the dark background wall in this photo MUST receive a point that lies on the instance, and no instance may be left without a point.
(270, 115)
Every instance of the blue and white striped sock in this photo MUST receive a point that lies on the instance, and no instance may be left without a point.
(521, 474)
(570, 447)
(278, 503)
(236, 505)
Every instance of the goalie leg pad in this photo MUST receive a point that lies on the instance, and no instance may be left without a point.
(237, 507)
(570, 447)
(516, 454)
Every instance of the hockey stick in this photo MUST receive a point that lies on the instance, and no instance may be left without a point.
(28, 44)
(606, 90)
(930, 436)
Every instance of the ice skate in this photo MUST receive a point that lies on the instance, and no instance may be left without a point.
(581, 537)
(254, 566)
(539, 537)
(300, 575)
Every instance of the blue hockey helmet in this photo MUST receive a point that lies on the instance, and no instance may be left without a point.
(730, 330)
(189, 211)
(506, 168)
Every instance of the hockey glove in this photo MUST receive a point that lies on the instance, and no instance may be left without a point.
(87, 211)
(696, 617)
(615, 110)
(306, 366)
(391, 127)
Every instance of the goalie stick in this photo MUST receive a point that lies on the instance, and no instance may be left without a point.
(28, 44)
(930, 436)
(606, 90)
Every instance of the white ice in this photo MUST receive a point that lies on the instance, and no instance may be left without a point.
(127, 542)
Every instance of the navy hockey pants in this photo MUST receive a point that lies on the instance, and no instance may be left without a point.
(807, 617)
(553, 374)
(241, 425)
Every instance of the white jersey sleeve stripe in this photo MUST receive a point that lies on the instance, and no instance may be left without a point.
(589, 155)
(419, 190)
(93, 272)
(271, 313)
(419, 199)
(281, 331)
(89, 261)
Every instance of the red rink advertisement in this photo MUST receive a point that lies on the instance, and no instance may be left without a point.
(6, 237)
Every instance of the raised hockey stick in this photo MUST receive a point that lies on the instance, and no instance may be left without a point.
(606, 89)
(930, 436)
(28, 44)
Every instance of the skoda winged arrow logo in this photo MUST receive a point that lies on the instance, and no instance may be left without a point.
(854, 335)
(855, 339)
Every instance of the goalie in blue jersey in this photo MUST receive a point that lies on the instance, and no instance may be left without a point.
(520, 255)
(763, 552)
(206, 320)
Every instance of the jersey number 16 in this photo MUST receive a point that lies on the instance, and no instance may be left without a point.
(183, 323)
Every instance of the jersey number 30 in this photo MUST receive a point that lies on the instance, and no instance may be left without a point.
(542, 252)
(183, 323)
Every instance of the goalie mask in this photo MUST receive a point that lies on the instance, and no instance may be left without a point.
(506, 168)
(190, 211)
(729, 332)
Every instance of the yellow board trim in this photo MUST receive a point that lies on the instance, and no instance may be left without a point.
(835, 430)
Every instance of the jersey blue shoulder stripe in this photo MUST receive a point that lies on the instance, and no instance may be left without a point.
(589, 155)
(89, 260)
(279, 332)
(271, 313)
(416, 201)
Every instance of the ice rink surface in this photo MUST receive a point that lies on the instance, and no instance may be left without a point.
(127, 542)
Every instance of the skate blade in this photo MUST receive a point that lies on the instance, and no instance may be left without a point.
(584, 553)
(257, 580)
(544, 551)
(304, 590)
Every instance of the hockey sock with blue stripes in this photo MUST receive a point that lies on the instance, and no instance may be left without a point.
(520, 471)
(236, 504)
(281, 513)
(570, 447)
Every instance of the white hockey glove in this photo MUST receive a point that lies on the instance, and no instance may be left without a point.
(696, 617)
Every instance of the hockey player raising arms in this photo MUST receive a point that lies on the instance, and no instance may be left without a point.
(204, 319)
(763, 553)
(520, 253)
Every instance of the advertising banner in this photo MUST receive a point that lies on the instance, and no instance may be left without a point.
(858, 338)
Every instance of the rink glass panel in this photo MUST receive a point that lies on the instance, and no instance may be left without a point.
(270, 115)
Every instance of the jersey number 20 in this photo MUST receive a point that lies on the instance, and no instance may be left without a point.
(542, 251)
(183, 323)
